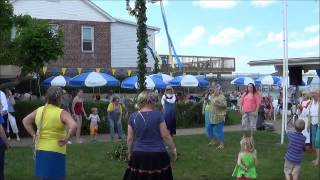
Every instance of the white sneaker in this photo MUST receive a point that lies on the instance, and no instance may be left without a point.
(69, 142)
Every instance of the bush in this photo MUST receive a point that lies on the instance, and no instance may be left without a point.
(24, 108)
(188, 115)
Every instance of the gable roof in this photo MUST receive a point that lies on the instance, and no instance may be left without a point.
(97, 8)
(102, 15)
(135, 24)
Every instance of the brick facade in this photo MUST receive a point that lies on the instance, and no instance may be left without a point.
(73, 55)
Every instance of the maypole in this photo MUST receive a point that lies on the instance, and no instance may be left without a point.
(285, 71)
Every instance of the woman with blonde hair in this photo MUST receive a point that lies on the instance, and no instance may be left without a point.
(51, 137)
(146, 139)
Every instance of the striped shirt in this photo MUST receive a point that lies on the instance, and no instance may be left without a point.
(295, 147)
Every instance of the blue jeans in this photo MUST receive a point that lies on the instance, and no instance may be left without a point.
(208, 128)
(119, 128)
(218, 129)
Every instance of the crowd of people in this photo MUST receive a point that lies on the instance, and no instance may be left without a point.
(151, 128)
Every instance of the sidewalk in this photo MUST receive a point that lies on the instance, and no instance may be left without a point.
(25, 142)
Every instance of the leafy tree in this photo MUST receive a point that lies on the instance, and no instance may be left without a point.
(35, 43)
(140, 13)
(6, 21)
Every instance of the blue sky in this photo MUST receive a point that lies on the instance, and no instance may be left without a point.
(244, 29)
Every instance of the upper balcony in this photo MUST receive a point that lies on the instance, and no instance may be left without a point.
(200, 64)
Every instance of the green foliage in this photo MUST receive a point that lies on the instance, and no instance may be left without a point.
(6, 21)
(23, 108)
(119, 152)
(37, 44)
(140, 13)
(233, 117)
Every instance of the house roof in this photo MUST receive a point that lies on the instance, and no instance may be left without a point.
(107, 15)
(116, 19)
(291, 61)
(307, 63)
(135, 24)
(103, 12)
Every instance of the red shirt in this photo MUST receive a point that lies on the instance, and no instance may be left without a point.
(250, 103)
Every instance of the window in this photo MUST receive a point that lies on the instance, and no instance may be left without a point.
(54, 28)
(87, 39)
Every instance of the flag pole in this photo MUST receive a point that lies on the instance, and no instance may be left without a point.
(285, 71)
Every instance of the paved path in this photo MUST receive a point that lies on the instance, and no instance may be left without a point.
(25, 142)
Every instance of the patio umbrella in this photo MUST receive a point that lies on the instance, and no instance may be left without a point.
(164, 77)
(151, 83)
(303, 82)
(242, 81)
(94, 79)
(56, 81)
(268, 80)
(189, 81)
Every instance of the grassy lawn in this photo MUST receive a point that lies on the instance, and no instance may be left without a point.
(196, 162)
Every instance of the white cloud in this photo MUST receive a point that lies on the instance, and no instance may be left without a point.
(313, 28)
(224, 4)
(229, 36)
(262, 3)
(271, 37)
(300, 44)
(194, 37)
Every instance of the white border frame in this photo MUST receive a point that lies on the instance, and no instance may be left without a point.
(92, 37)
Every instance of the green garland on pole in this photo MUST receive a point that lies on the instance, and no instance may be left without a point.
(140, 13)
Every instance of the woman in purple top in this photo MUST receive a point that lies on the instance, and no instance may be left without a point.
(147, 136)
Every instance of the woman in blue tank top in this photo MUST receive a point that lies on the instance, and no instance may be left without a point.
(147, 136)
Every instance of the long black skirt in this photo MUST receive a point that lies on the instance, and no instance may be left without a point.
(149, 166)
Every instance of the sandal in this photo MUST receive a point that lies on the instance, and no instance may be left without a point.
(221, 146)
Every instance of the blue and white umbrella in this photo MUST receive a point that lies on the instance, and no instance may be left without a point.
(268, 80)
(56, 81)
(151, 83)
(164, 77)
(189, 81)
(94, 79)
(303, 82)
(242, 81)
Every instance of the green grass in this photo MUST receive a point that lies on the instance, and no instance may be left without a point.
(196, 162)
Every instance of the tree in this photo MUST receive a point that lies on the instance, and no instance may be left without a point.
(35, 43)
(6, 21)
(140, 13)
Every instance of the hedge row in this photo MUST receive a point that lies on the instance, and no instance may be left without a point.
(188, 115)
